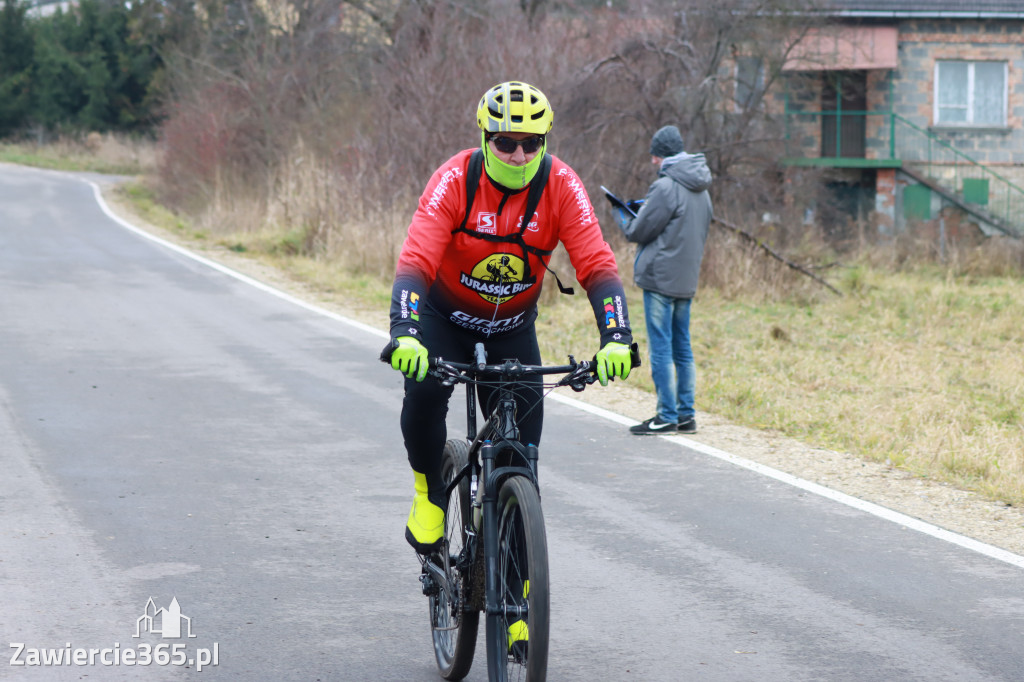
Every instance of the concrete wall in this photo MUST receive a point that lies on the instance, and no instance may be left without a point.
(923, 43)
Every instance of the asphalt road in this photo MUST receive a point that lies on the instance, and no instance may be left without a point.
(169, 431)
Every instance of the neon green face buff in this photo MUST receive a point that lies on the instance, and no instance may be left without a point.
(506, 175)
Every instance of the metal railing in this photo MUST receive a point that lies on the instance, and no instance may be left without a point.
(888, 137)
(973, 182)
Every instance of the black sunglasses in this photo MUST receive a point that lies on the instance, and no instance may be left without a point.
(507, 145)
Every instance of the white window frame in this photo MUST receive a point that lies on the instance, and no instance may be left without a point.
(970, 95)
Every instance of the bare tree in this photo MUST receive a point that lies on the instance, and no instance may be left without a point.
(378, 94)
(671, 63)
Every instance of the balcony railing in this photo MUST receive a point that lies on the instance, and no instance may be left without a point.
(886, 139)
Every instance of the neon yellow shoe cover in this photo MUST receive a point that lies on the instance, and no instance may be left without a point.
(518, 631)
(426, 520)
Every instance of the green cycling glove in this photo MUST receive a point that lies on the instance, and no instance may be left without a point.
(614, 360)
(410, 358)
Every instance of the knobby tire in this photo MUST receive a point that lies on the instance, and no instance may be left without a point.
(522, 562)
(454, 627)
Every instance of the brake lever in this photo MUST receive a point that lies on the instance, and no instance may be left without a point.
(580, 378)
(443, 372)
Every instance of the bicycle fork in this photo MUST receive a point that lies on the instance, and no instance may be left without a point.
(493, 601)
(500, 612)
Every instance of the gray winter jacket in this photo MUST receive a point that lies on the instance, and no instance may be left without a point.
(672, 226)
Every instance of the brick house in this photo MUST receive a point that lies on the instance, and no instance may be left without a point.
(915, 108)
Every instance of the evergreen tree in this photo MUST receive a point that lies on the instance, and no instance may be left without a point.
(56, 77)
(16, 47)
(95, 66)
(96, 114)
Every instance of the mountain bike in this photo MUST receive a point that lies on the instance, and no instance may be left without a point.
(493, 558)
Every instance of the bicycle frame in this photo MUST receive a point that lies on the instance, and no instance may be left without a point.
(495, 457)
(499, 434)
(487, 470)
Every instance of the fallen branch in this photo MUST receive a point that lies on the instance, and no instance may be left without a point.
(757, 242)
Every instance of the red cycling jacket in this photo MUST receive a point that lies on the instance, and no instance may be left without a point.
(491, 287)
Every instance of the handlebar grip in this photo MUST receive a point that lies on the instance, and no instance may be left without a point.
(634, 358)
(388, 350)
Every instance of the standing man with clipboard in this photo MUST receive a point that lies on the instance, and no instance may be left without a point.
(671, 227)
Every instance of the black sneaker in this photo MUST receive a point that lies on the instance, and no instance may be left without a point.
(652, 426)
(688, 425)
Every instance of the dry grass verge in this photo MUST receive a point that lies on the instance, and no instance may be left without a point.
(919, 367)
(96, 152)
(567, 327)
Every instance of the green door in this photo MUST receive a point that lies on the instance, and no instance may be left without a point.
(976, 191)
(917, 202)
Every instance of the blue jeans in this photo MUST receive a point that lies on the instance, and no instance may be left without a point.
(672, 366)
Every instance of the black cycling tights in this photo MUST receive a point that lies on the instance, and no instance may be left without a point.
(426, 403)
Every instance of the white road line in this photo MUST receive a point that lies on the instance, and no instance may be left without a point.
(228, 271)
(781, 476)
(834, 495)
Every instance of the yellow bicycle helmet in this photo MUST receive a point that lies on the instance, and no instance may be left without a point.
(514, 107)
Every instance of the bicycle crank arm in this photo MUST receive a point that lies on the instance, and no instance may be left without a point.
(433, 579)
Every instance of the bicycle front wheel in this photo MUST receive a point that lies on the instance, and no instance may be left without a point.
(453, 623)
(520, 632)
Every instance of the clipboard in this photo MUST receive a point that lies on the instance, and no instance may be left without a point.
(617, 202)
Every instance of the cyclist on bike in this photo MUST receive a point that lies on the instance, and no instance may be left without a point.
(469, 274)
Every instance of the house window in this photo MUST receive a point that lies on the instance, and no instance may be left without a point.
(749, 82)
(970, 93)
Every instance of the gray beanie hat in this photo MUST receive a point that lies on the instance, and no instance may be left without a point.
(666, 142)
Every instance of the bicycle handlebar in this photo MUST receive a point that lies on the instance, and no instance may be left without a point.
(578, 373)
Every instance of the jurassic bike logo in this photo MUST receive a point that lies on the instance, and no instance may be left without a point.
(498, 278)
